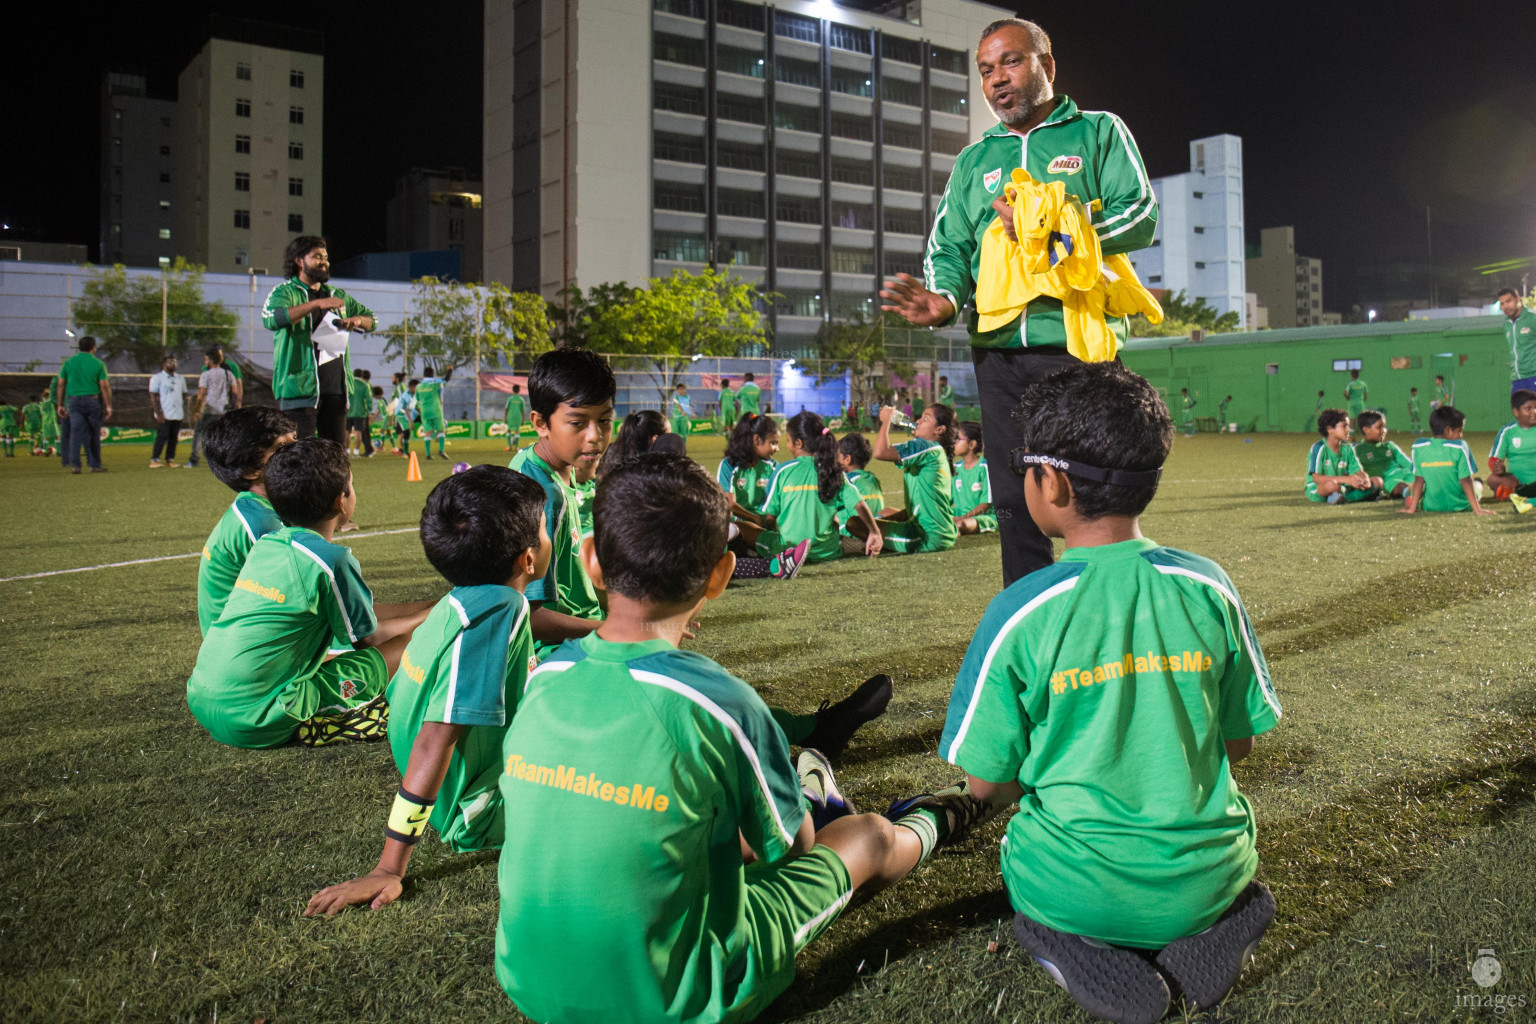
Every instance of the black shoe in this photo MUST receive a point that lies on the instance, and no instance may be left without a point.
(1207, 965)
(836, 723)
(74, 469)
(958, 809)
(98, 469)
(1109, 982)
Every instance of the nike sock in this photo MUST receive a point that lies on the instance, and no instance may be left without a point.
(930, 827)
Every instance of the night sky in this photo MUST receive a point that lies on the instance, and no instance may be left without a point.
(1354, 116)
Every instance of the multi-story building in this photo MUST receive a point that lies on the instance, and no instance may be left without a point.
(138, 136)
(1198, 248)
(437, 211)
(1289, 286)
(247, 154)
(802, 143)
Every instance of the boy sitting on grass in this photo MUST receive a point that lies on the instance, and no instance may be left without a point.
(570, 393)
(1383, 461)
(1109, 694)
(1443, 468)
(1512, 463)
(237, 447)
(461, 676)
(661, 862)
(1333, 469)
(300, 650)
(973, 488)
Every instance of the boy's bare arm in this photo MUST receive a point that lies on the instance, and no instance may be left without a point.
(1239, 749)
(430, 756)
(395, 620)
(998, 794)
(1471, 493)
(1415, 494)
(552, 627)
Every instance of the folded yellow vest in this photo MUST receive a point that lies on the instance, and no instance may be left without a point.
(1057, 256)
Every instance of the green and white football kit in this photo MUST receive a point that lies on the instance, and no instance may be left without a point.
(1324, 461)
(586, 494)
(930, 502)
(727, 409)
(681, 407)
(1443, 464)
(1516, 445)
(630, 770)
(1105, 685)
(794, 501)
(262, 669)
(564, 587)
(429, 402)
(1521, 335)
(465, 665)
(747, 396)
(248, 519)
(1354, 394)
(747, 485)
(868, 485)
(972, 488)
(1386, 460)
(516, 411)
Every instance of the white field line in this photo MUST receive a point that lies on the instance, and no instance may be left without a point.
(174, 558)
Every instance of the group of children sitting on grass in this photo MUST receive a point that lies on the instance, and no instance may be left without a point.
(664, 857)
(1441, 473)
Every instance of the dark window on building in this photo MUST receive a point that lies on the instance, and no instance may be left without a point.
(940, 177)
(296, 186)
(852, 83)
(681, 99)
(948, 60)
(803, 119)
(740, 15)
(243, 72)
(848, 260)
(242, 218)
(165, 177)
(853, 172)
(1155, 279)
(678, 49)
(295, 79)
(746, 109)
(1199, 195)
(846, 37)
(897, 134)
(242, 143)
(799, 255)
(295, 223)
(797, 164)
(798, 209)
(295, 151)
(949, 101)
(795, 26)
(742, 156)
(948, 142)
(165, 122)
(679, 195)
(903, 263)
(750, 252)
(242, 181)
(738, 202)
(907, 51)
(736, 61)
(680, 247)
(899, 90)
(1199, 265)
(688, 149)
(853, 215)
(853, 305)
(908, 179)
(295, 115)
(797, 302)
(906, 222)
(1199, 231)
(687, 8)
(242, 108)
(165, 150)
(799, 72)
(853, 126)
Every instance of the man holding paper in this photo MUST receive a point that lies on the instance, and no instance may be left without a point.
(310, 322)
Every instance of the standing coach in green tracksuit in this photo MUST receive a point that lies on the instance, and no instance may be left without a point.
(314, 394)
(1047, 135)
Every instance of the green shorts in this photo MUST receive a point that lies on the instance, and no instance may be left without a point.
(682, 426)
(1391, 480)
(907, 537)
(789, 904)
(431, 425)
(345, 681)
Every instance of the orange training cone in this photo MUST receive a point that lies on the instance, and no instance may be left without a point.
(413, 471)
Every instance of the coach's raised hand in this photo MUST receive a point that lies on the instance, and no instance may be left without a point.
(916, 304)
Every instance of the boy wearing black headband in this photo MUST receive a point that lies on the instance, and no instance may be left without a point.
(1108, 694)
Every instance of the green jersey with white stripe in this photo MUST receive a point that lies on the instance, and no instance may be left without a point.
(1105, 685)
(1324, 461)
(747, 485)
(1093, 154)
(465, 665)
(930, 497)
(1521, 335)
(1444, 464)
(1386, 460)
(629, 770)
(1516, 445)
(565, 586)
(298, 597)
(794, 500)
(972, 486)
(246, 521)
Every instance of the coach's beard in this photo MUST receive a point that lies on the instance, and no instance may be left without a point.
(1040, 95)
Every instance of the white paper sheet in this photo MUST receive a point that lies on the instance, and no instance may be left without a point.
(331, 337)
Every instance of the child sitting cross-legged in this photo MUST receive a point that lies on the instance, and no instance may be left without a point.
(662, 858)
(928, 521)
(237, 446)
(461, 676)
(973, 487)
(1333, 468)
(300, 651)
(808, 496)
(1512, 463)
(1109, 694)
(1443, 468)
(1383, 461)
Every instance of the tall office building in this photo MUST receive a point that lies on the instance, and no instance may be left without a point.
(247, 153)
(804, 144)
(1289, 286)
(1198, 248)
(138, 136)
(437, 211)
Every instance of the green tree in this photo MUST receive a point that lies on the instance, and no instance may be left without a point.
(859, 348)
(457, 324)
(587, 320)
(124, 313)
(1180, 316)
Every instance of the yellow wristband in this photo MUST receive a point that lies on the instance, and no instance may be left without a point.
(408, 817)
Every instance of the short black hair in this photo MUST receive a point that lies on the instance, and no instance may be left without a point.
(378, 392)
(1037, 36)
(659, 527)
(305, 478)
(298, 249)
(236, 441)
(972, 431)
(1447, 417)
(215, 355)
(1354, 374)
(477, 524)
(1520, 397)
(1369, 418)
(569, 376)
(857, 448)
(1507, 291)
(1330, 418)
(87, 343)
(748, 376)
(670, 444)
(1413, 391)
(1439, 376)
(1103, 415)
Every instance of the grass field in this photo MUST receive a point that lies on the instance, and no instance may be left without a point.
(150, 874)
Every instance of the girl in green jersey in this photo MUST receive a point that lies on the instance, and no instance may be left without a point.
(809, 494)
(973, 489)
(748, 465)
(637, 433)
(928, 522)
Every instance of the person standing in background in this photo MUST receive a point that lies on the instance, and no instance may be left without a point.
(748, 394)
(1520, 331)
(946, 393)
(167, 397)
(88, 393)
(218, 392)
(517, 411)
(727, 406)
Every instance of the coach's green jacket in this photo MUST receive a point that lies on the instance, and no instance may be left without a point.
(295, 377)
(1093, 153)
(1521, 335)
